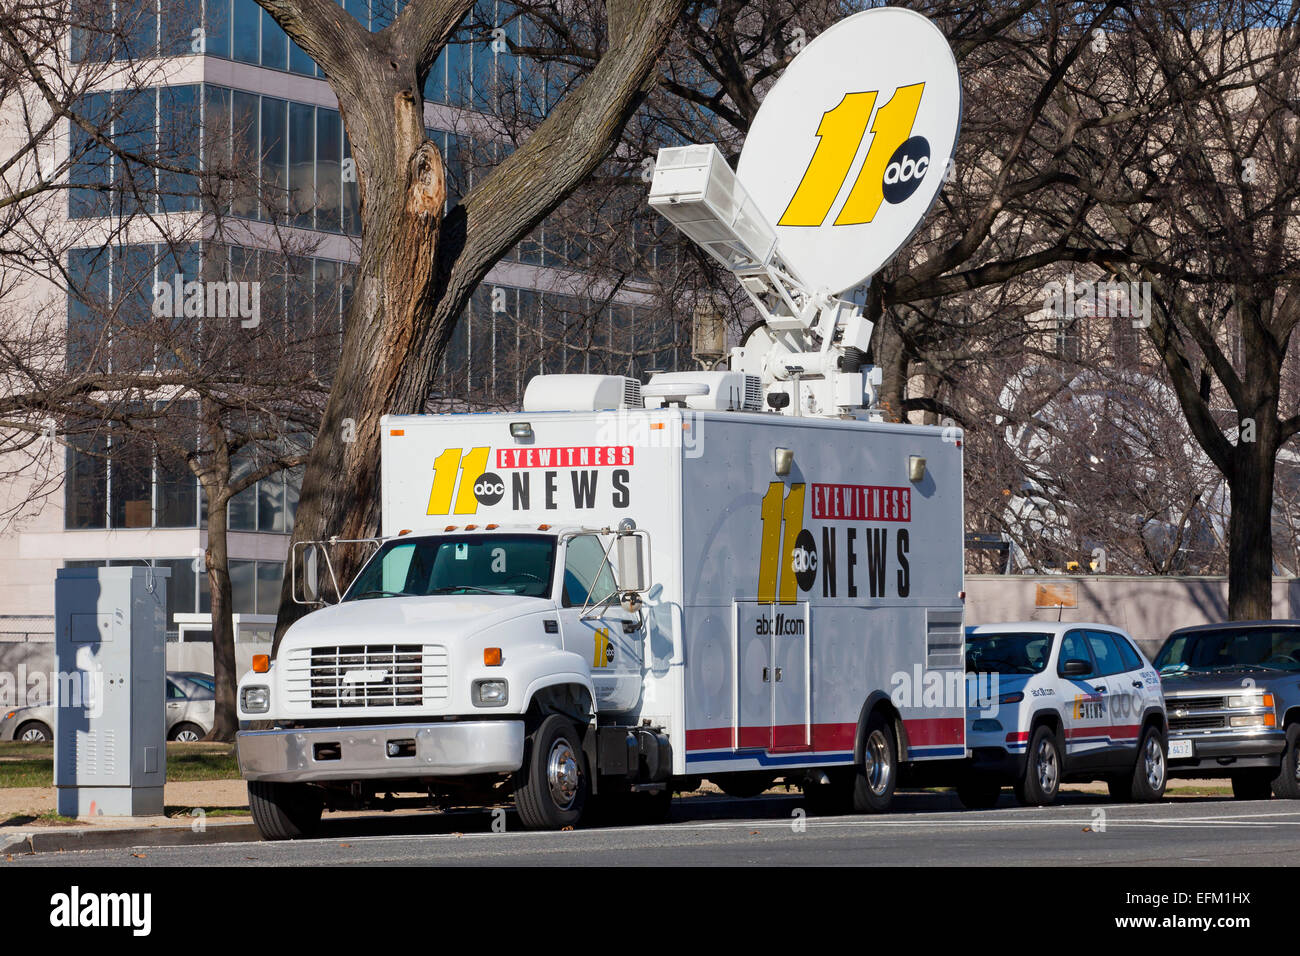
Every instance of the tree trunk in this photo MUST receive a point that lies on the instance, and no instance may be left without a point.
(1250, 531)
(415, 274)
(217, 560)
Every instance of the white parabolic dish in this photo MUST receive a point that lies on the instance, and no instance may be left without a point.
(850, 147)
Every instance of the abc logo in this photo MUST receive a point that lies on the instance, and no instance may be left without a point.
(907, 167)
(489, 488)
(804, 560)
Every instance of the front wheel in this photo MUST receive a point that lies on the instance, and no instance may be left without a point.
(552, 786)
(1287, 783)
(187, 733)
(1041, 782)
(877, 774)
(1150, 773)
(285, 811)
(34, 732)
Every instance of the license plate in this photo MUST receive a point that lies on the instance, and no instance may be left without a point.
(1180, 749)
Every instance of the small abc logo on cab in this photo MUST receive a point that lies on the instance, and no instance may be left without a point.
(489, 489)
(906, 168)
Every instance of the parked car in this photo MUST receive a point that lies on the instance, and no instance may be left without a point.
(190, 708)
(1232, 692)
(1062, 702)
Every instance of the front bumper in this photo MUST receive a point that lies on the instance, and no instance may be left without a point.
(1221, 754)
(445, 749)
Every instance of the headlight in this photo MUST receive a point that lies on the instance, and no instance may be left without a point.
(490, 693)
(255, 699)
(1253, 720)
(1254, 700)
(10, 715)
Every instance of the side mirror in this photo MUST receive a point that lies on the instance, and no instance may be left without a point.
(311, 573)
(1076, 668)
(631, 562)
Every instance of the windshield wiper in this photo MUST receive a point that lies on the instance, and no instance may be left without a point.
(466, 587)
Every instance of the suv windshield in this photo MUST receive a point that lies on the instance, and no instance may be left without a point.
(1021, 653)
(458, 564)
(1232, 647)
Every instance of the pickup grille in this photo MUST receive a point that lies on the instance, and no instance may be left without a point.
(367, 675)
(1197, 723)
(1195, 703)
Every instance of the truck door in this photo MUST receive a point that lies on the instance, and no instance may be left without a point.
(772, 703)
(611, 650)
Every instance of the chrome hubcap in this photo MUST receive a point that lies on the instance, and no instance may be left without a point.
(1047, 770)
(33, 735)
(875, 763)
(188, 736)
(1155, 764)
(562, 774)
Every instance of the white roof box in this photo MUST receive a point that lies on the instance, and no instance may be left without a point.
(714, 391)
(581, 393)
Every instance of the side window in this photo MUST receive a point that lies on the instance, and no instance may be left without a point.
(1075, 647)
(586, 575)
(1105, 653)
(1128, 657)
(174, 692)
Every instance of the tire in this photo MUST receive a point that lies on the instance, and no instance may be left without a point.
(186, 732)
(1286, 784)
(877, 774)
(1150, 771)
(284, 811)
(34, 732)
(1041, 783)
(552, 786)
(979, 793)
(743, 785)
(1252, 784)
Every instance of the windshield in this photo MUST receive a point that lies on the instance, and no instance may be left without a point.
(1232, 647)
(1022, 653)
(458, 564)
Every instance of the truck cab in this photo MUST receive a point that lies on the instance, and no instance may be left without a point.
(454, 662)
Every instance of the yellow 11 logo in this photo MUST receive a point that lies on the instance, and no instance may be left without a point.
(840, 133)
(775, 563)
(445, 469)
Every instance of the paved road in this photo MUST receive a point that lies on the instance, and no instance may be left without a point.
(925, 831)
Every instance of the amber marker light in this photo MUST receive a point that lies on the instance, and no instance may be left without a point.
(261, 663)
(492, 657)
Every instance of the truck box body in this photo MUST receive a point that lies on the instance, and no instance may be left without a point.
(785, 603)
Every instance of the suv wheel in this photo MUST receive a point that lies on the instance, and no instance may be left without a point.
(1150, 773)
(1287, 783)
(1041, 782)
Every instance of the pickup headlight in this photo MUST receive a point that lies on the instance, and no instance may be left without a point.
(1253, 700)
(255, 699)
(490, 693)
(1253, 720)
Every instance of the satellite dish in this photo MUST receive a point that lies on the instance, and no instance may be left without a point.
(850, 147)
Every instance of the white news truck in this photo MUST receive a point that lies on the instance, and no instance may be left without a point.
(512, 632)
(740, 575)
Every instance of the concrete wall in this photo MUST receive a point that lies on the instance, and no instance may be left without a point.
(1147, 607)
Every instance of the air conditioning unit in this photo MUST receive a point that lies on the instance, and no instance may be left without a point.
(581, 393)
(713, 391)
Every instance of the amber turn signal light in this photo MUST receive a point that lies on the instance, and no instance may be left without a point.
(492, 656)
(261, 663)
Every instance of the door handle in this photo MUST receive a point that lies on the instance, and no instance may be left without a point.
(764, 675)
(1137, 683)
(778, 673)
(1099, 690)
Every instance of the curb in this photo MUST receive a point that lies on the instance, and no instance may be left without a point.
(71, 840)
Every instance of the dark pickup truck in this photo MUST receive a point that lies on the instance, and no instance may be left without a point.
(1232, 695)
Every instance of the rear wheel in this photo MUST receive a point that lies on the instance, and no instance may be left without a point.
(34, 732)
(1287, 782)
(979, 793)
(1252, 784)
(285, 811)
(1041, 782)
(877, 774)
(552, 786)
(186, 733)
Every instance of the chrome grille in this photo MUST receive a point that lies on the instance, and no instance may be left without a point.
(1175, 702)
(367, 675)
(1197, 722)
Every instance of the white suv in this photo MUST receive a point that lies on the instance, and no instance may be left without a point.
(1060, 702)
